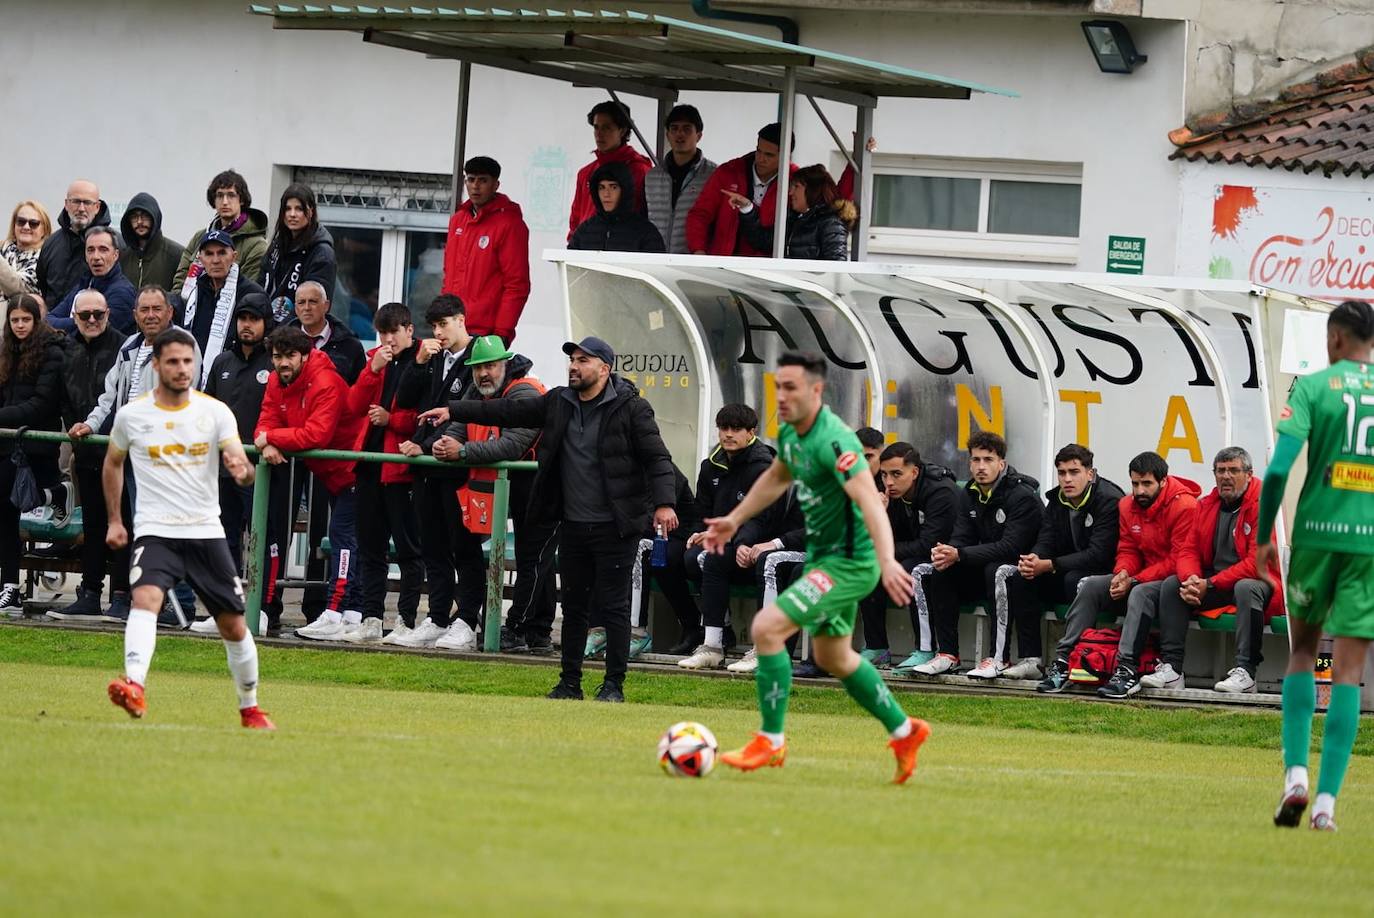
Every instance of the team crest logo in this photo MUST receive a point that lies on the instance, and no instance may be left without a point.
(1247, 528)
(453, 389)
(202, 424)
(1088, 520)
(1286, 413)
(262, 377)
(483, 242)
(1336, 383)
(846, 461)
(821, 581)
(1001, 515)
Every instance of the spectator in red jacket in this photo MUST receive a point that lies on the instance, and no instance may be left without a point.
(1157, 523)
(611, 131)
(712, 223)
(487, 256)
(305, 407)
(1224, 547)
(385, 496)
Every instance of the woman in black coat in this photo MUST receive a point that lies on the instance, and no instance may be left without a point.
(818, 219)
(301, 250)
(617, 225)
(31, 358)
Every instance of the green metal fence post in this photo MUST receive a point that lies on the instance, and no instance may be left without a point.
(253, 544)
(496, 571)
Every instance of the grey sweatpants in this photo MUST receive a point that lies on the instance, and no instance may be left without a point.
(1250, 598)
(1141, 607)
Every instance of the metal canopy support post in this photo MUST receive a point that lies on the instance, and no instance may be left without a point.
(460, 134)
(834, 134)
(661, 139)
(863, 181)
(783, 180)
(634, 126)
(496, 566)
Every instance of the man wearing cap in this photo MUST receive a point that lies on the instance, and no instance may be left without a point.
(498, 372)
(602, 466)
(238, 377)
(673, 186)
(487, 256)
(208, 302)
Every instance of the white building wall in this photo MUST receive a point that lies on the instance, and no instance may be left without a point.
(141, 95)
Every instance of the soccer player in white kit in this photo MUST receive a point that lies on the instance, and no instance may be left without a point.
(172, 436)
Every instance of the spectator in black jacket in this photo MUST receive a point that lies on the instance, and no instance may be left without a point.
(617, 225)
(602, 465)
(818, 219)
(454, 566)
(1078, 535)
(330, 335)
(725, 477)
(212, 299)
(31, 359)
(301, 250)
(102, 273)
(149, 257)
(92, 349)
(922, 506)
(238, 377)
(62, 259)
(1000, 514)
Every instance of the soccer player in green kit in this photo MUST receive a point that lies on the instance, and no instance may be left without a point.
(848, 548)
(1331, 571)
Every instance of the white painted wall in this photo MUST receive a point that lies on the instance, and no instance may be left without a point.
(158, 97)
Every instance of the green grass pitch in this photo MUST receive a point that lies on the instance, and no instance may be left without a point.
(401, 785)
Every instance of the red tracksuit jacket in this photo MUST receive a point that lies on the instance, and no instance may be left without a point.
(1247, 542)
(1158, 541)
(487, 265)
(311, 413)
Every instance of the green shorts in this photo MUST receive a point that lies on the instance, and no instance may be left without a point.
(825, 598)
(1334, 590)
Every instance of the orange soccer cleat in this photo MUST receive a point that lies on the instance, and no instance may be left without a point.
(905, 749)
(255, 718)
(758, 753)
(127, 694)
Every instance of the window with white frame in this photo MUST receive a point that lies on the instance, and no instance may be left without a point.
(978, 209)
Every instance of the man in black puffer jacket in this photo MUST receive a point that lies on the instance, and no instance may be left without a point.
(922, 506)
(1079, 533)
(617, 225)
(999, 519)
(602, 465)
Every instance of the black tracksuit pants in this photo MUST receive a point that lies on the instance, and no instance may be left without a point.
(595, 564)
(386, 513)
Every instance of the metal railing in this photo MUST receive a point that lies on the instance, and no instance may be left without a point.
(257, 527)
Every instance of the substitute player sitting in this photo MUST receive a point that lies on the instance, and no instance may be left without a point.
(1331, 571)
(172, 435)
(849, 548)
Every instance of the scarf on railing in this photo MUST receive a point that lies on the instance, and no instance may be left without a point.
(219, 328)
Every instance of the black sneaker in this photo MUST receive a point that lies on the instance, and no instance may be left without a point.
(565, 691)
(512, 642)
(1123, 684)
(540, 648)
(610, 691)
(119, 608)
(1056, 678)
(12, 602)
(86, 608)
(805, 669)
(692, 638)
(172, 617)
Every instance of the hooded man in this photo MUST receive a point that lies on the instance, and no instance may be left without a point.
(487, 255)
(149, 257)
(61, 260)
(616, 226)
(103, 275)
(611, 132)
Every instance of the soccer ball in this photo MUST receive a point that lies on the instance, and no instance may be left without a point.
(687, 750)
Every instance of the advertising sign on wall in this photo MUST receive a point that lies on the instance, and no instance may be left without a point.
(1312, 243)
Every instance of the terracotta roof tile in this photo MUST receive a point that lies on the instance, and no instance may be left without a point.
(1325, 123)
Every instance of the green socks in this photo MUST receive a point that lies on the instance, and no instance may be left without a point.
(1299, 702)
(866, 687)
(1342, 723)
(773, 679)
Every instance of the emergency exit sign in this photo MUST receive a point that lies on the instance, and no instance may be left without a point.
(1125, 254)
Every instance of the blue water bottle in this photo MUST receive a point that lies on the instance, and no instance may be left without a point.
(659, 557)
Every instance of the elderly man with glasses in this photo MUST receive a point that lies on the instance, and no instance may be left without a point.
(61, 262)
(1224, 545)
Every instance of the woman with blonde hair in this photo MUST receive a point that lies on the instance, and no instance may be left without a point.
(29, 225)
(818, 219)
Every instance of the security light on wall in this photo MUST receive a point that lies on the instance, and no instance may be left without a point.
(1112, 46)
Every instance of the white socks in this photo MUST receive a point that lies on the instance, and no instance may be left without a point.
(774, 738)
(1295, 777)
(140, 637)
(715, 637)
(903, 731)
(1324, 804)
(352, 617)
(329, 615)
(243, 666)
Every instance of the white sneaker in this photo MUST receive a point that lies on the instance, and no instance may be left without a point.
(990, 668)
(397, 634)
(1165, 677)
(1237, 682)
(459, 636)
(942, 664)
(424, 635)
(367, 631)
(704, 657)
(748, 664)
(1029, 668)
(204, 626)
(322, 629)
